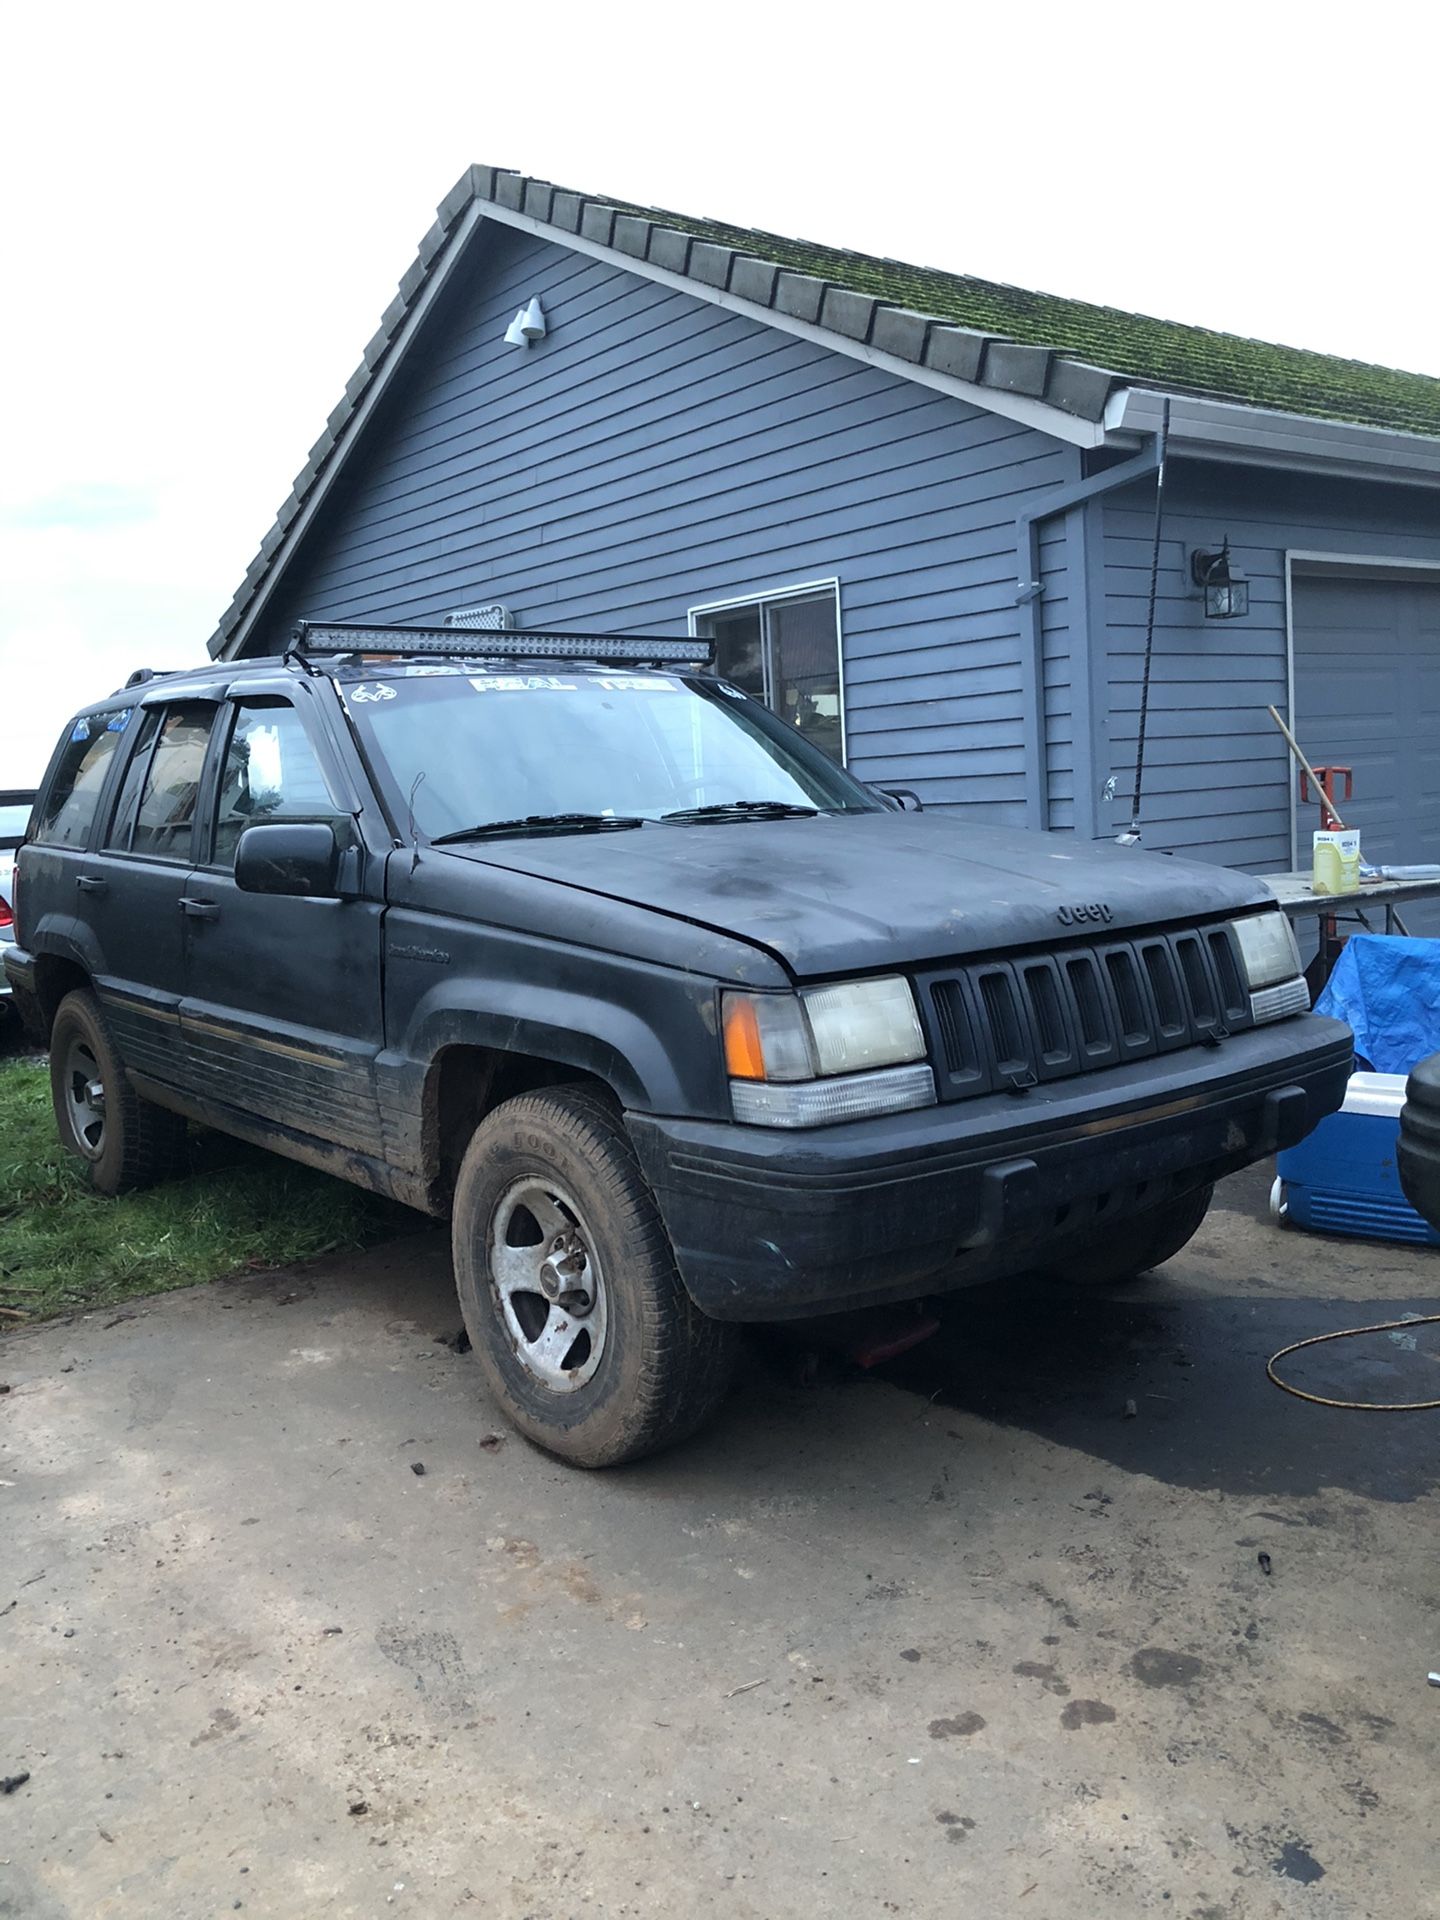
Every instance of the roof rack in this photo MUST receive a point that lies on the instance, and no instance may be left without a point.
(501, 643)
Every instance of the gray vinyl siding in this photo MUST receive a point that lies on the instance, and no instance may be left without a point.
(656, 453)
(1217, 775)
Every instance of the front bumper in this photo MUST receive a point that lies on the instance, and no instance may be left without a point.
(776, 1225)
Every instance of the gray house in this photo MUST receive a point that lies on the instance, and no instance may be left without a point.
(915, 510)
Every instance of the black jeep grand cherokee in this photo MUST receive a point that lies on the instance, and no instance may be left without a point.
(681, 1024)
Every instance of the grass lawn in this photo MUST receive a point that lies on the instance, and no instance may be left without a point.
(62, 1247)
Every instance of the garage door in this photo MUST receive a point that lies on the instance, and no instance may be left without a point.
(1367, 696)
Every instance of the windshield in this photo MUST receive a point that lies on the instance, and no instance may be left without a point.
(522, 746)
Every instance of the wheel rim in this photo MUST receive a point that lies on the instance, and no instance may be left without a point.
(85, 1098)
(547, 1284)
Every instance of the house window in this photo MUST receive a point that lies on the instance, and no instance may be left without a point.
(784, 648)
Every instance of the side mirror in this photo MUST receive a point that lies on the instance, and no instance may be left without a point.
(290, 857)
(900, 798)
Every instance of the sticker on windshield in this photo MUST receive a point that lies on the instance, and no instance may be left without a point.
(519, 682)
(371, 691)
(80, 731)
(637, 683)
(118, 722)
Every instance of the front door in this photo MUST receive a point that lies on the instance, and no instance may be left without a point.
(282, 1007)
(135, 883)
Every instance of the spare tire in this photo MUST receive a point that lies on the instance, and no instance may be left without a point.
(1418, 1157)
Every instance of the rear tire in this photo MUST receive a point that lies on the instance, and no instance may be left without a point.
(569, 1289)
(1135, 1246)
(123, 1141)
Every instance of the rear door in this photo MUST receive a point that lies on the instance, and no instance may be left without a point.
(282, 1005)
(132, 887)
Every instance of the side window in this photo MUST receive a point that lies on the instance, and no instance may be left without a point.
(165, 817)
(270, 773)
(67, 811)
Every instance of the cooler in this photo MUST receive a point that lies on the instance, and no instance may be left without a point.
(1342, 1178)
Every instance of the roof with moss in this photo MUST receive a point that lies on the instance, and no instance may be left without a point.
(1165, 354)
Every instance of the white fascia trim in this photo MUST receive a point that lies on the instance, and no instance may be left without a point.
(1011, 406)
(1361, 563)
(438, 278)
(1256, 436)
(787, 592)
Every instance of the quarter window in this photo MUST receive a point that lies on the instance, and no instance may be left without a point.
(69, 808)
(784, 649)
(270, 773)
(122, 824)
(165, 820)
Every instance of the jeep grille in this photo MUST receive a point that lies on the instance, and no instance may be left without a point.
(1000, 1025)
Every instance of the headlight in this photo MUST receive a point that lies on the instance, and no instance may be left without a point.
(866, 1023)
(777, 1046)
(1271, 961)
(1267, 948)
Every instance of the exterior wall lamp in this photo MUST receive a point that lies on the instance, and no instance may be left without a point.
(527, 327)
(1227, 593)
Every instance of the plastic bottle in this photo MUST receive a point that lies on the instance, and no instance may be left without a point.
(1336, 861)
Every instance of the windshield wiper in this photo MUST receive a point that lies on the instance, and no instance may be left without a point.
(542, 823)
(743, 810)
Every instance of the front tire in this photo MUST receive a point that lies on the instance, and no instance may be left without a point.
(123, 1141)
(1134, 1247)
(569, 1290)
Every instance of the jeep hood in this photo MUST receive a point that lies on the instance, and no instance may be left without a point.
(843, 892)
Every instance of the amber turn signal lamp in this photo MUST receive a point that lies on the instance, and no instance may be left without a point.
(744, 1055)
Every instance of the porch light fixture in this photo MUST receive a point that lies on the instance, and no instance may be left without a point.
(527, 327)
(1227, 593)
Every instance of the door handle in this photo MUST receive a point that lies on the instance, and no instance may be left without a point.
(91, 883)
(199, 909)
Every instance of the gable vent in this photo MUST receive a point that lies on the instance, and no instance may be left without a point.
(489, 619)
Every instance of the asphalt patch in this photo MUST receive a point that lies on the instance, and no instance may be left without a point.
(1159, 1667)
(1298, 1863)
(1063, 1365)
(959, 1727)
(1086, 1713)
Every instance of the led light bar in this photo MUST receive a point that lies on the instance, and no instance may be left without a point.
(501, 644)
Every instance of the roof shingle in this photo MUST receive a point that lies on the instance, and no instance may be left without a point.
(1166, 354)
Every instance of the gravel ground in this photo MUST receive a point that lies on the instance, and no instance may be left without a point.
(1068, 1614)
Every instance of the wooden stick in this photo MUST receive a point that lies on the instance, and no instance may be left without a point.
(1294, 745)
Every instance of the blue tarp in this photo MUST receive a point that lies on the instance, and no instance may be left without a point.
(1388, 990)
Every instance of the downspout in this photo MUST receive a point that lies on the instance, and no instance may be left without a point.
(1028, 591)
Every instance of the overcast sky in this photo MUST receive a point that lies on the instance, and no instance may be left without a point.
(206, 210)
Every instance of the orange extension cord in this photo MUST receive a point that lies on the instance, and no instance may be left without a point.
(1352, 1333)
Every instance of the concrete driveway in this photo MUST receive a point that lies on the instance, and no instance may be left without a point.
(968, 1640)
